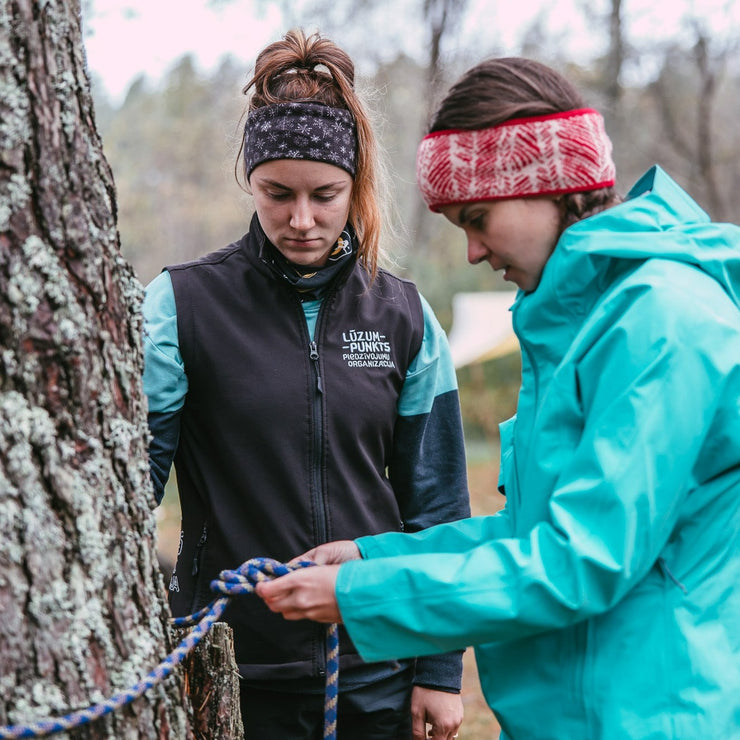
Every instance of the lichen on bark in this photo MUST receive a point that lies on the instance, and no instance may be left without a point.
(81, 596)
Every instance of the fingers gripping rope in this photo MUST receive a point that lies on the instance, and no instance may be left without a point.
(243, 581)
(230, 583)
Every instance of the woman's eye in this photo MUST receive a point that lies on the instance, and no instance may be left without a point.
(477, 222)
(324, 197)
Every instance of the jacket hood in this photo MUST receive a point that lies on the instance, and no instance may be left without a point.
(657, 220)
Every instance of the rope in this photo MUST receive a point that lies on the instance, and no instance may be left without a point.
(230, 583)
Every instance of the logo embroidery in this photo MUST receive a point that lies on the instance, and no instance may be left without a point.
(366, 349)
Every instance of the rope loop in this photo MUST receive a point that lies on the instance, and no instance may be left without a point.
(242, 580)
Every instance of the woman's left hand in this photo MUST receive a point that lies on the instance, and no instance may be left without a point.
(439, 709)
(307, 593)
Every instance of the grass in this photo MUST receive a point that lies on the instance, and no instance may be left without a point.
(479, 724)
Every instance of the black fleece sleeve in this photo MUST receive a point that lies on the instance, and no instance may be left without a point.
(165, 430)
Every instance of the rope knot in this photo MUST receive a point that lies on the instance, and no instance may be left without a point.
(244, 579)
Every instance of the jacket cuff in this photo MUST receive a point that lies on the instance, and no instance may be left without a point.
(440, 672)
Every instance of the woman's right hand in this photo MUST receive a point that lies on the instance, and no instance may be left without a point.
(331, 553)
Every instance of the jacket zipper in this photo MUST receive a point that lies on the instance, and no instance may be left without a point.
(317, 445)
(314, 355)
(663, 566)
(317, 491)
(526, 350)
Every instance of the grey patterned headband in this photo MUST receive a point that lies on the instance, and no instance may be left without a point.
(300, 131)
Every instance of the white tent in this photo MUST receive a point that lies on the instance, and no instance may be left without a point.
(481, 327)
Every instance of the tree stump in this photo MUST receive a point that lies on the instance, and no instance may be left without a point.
(212, 683)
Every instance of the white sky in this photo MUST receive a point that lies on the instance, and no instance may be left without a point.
(126, 38)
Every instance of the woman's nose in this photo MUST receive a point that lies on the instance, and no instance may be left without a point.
(476, 251)
(301, 217)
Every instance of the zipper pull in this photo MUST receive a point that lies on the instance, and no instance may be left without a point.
(198, 548)
(314, 355)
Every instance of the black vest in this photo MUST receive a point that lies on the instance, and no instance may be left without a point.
(284, 443)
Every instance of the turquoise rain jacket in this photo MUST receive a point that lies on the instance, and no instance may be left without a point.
(604, 600)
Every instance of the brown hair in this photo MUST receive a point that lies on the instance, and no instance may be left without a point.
(499, 90)
(302, 68)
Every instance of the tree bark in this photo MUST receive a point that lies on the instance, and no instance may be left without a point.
(82, 601)
(213, 686)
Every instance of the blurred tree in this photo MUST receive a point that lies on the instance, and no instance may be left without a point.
(615, 57)
(698, 126)
(442, 19)
(606, 75)
(172, 148)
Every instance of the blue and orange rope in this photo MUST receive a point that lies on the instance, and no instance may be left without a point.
(229, 583)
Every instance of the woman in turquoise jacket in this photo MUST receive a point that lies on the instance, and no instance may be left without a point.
(604, 600)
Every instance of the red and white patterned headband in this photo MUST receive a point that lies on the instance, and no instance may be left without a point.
(543, 155)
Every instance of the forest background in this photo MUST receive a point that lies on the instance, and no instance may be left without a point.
(172, 144)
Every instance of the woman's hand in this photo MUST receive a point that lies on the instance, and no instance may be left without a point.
(436, 715)
(331, 553)
(307, 593)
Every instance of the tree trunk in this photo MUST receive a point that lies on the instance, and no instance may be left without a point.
(82, 601)
(442, 18)
(708, 67)
(614, 58)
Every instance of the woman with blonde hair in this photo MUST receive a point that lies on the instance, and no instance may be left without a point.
(305, 394)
